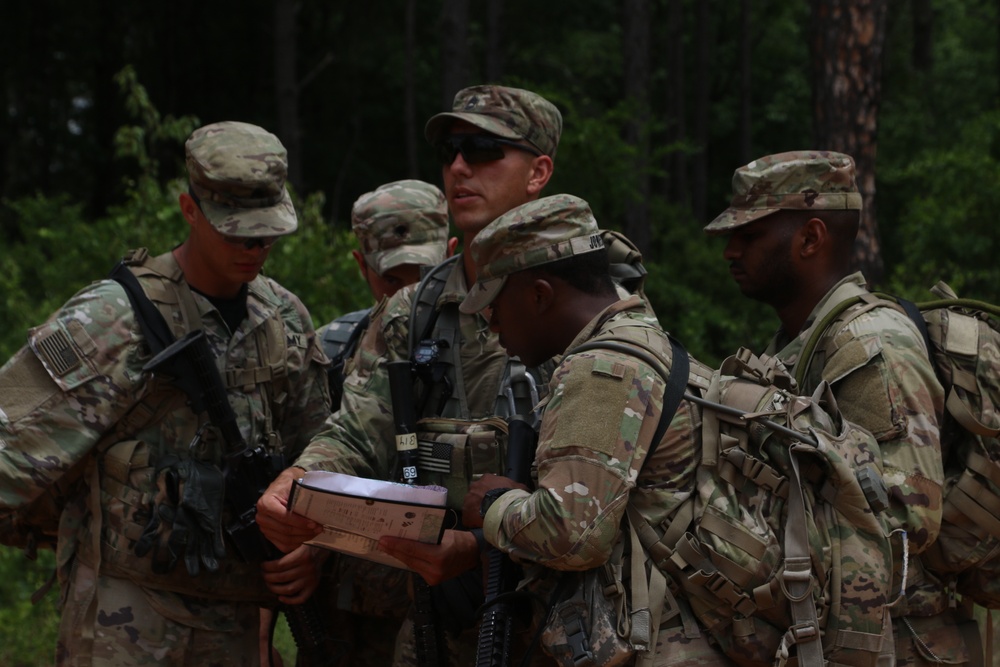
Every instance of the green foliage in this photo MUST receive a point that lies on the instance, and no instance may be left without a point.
(316, 264)
(27, 632)
(694, 297)
(946, 229)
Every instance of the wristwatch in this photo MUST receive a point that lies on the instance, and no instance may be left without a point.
(489, 498)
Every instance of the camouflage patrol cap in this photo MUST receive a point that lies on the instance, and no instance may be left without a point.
(237, 171)
(404, 222)
(542, 231)
(797, 180)
(511, 113)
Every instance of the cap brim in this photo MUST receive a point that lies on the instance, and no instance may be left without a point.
(429, 254)
(276, 220)
(439, 124)
(732, 218)
(481, 295)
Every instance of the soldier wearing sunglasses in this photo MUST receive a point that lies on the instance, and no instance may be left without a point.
(496, 147)
(124, 469)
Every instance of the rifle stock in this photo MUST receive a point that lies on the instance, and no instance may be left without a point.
(247, 471)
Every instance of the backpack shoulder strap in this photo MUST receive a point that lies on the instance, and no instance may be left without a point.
(151, 322)
(423, 310)
(342, 335)
(819, 331)
(676, 380)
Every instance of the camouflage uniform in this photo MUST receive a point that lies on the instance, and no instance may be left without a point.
(362, 438)
(399, 223)
(77, 394)
(602, 409)
(883, 380)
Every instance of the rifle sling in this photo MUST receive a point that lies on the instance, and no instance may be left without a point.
(154, 328)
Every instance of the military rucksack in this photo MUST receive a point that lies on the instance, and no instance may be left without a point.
(963, 338)
(339, 341)
(782, 544)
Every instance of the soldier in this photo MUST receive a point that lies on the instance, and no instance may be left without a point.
(146, 575)
(401, 228)
(791, 230)
(496, 148)
(542, 279)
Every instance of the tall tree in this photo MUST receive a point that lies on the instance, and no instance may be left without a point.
(846, 53)
(676, 125)
(286, 85)
(494, 40)
(409, 90)
(923, 39)
(454, 49)
(635, 38)
(703, 39)
(746, 84)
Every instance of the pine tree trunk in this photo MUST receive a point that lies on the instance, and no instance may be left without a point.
(286, 86)
(494, 40)
(848, 37)
(636, 32)
(677, 182)
(746, 85)
(703, 39)
(454, 49)
(413, 132)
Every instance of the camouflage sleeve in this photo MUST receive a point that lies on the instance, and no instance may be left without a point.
(884, 381)
(76, 377)
(595, 434)
(307, 406)
(360, 437)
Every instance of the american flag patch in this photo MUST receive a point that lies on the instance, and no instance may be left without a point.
(434, 456)
(58, 352)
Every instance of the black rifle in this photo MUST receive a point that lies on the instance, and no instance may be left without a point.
(497, 625)
(426, 628)
(247, 472)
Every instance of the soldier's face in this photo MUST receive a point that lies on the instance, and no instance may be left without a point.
(515, 317)
(480, 192)
(221, 264)
(760, 259)
(390, 281)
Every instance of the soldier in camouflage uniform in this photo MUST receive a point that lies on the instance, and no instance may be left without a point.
(76, 397)
(401, 227)
(497, 148)
(791, 229)
(543, 281)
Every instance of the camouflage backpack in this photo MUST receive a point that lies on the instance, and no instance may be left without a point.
(339, 341)
(963, 337)
(781, 552)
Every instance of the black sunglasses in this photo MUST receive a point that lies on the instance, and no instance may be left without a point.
(476, 148)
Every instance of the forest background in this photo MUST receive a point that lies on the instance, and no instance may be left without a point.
(661, 100)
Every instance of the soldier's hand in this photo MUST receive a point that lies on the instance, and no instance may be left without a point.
(295, 576)
(473, 500)
(286, 530)
(457, 553)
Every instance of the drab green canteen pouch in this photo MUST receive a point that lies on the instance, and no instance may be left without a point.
(453, 452)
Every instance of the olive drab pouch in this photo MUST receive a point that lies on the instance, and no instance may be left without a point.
(597, 620)
(781, 552)
(454, 452)
(963, 338)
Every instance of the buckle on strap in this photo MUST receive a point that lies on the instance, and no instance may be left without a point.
(576, 638)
